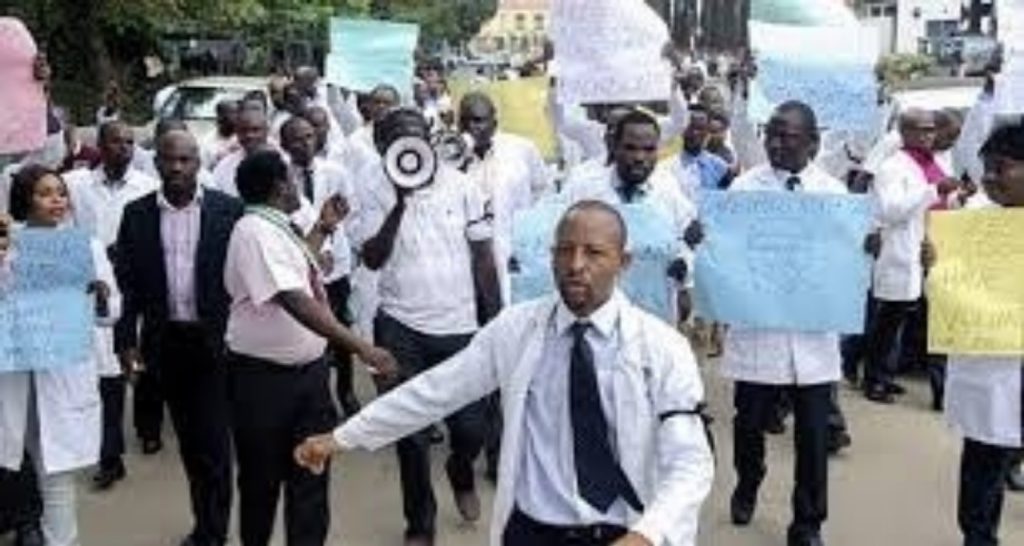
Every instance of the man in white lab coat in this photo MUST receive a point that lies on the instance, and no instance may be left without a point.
(907, 185)
(803, 365)
(603, 443)
(985, 395)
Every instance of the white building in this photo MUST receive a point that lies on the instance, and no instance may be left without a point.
(912, 26)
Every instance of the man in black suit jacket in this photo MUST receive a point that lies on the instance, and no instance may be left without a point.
(170, 268)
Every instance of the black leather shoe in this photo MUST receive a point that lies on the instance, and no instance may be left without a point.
(804, 539)
(741, 509)
(29, 535)
(106, 477)
(895, 389)
(1015, 479)
(838, 440)
(879, 394)
(152, 446)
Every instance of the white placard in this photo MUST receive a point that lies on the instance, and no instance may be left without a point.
(1009, 97)
(610, 51)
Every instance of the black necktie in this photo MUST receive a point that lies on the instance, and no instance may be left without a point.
(307, 184)
(793, 183)
(599, 477)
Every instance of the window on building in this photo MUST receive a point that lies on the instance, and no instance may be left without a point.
(538, 21)
(520, 21)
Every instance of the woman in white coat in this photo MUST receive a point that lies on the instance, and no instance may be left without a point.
(54, 415)
(985, 395)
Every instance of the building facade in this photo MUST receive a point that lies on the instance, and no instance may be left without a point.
(517, 31)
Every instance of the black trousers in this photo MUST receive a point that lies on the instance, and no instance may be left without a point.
(338, 294)
(112, 392)
(148, 404)
(275, 408)
(417, 352)
(20, 503)
(193, 380)
(983, 469)
(522, 530)
(811, 405)
(887, 321)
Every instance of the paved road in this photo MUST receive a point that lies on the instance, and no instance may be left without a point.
(896, 486)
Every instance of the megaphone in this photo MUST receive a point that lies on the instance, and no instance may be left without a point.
(410, 162)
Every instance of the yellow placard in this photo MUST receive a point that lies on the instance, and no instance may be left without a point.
(522, 108)
(976, 290)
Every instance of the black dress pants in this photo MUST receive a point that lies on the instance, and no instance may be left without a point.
(112, 392)
(275, 407)
(983, 469)
(811, 406)
(20, 503)
(886, 324)
(417, 352)
(148, 404)
(522, 530)
(338, 294)
(193, 380)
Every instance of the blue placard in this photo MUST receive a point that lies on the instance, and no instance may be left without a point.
(844, 96)
(784, 261)
(368, 53)
(46, 316)
(653, 244)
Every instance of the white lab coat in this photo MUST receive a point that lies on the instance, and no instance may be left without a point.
(903, 197)
(67, 400)
(984, 395)
(777, 357)
(668, 461)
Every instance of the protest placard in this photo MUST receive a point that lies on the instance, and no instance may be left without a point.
(975, 293)
(789, 261)
(23, 115)
(652, 243)
(1009, 93)
(610, 51)
(368, 53)
(829, 68)
(46, 316)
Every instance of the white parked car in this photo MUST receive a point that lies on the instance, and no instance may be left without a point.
(195, 101)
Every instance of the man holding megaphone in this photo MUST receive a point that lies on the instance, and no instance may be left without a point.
(424, 227)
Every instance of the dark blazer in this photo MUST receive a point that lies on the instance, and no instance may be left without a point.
(142, 276)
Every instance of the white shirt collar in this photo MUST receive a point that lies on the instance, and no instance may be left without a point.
(604, 319)
(197, 199)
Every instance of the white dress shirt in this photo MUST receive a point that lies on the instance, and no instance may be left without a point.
(179, 234)
(224, 172)
(329, 179)
(778, 357)
(215, 147)
(427, 282)
(513, 177)
(264, 258)
(99, 204)
(546, 489)
(653, 380)
(904, 196)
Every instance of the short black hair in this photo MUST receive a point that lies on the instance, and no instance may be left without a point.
(166, 125)
(593, 205)
(633, 117)
(477, 97)
(1006, 141)
(106, 128)
(290, 123)
(389, 128)
(258, 176)
(806, 113)
(23, 185)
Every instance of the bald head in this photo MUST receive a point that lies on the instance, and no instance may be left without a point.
(917, 127)
(479, 118)
(589, 255)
